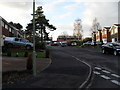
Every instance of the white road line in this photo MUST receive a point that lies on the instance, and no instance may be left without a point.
(115, 82)
(96, 72)
(81, 86)
(98, 68)
(115, 75)
(105, 77)
(105, 71)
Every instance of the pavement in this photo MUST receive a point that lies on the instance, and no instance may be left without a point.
(54, 73)
(19, 63)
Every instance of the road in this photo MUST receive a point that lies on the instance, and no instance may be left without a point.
(106, 66)
(64, 72)
(67, 70)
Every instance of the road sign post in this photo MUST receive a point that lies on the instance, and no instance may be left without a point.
(34, 52)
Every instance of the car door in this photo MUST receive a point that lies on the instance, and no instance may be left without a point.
(17, 42)
(110, 48)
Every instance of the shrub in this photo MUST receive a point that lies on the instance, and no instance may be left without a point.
(40, 46)
(47, 53)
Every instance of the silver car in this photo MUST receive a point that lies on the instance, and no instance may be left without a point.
(13, 42)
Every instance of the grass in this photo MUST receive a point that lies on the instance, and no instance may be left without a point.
(41, 55)
(21, 54)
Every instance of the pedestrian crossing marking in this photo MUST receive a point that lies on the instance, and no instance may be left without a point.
(116, 82)
(115, 75)
(105, 77)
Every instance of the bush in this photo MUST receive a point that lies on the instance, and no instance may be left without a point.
(40, 46)
(29, 62)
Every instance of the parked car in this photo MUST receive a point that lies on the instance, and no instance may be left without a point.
(97, 43)
(14, 42)
(55, 43)
(63, 43)
(111, 48)
(87, 43)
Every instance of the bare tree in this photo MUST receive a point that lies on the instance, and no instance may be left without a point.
(95, 25)
(78, 29)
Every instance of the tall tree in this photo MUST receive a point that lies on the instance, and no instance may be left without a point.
(40, 23)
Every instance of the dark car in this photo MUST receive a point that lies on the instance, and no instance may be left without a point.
(87, 43)
(63, 43)
(113, 48)
(14, 42)
(55, 43)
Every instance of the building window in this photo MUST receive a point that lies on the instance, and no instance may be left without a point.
(6, 26)
(116, 30)
(113, 31)
(10, 30)
(105, 32)
(2, 23)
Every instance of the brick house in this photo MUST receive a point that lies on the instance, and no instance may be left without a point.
(9, 30)
(68, 38)
(97, 36)
(106, 37)
(115, 33)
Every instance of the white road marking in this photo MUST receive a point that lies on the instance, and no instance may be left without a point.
(96, 72)
(105, 71)
(115, 82)
(105, 77)
(115, 75)
(98, 68)
(90, 73)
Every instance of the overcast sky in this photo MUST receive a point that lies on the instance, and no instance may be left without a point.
(63, 13)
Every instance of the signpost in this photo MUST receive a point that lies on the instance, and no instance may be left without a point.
(34, 52)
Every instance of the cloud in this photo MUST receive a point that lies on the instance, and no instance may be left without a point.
(16, 12)
(68, 28)
(71, 6)
(59, 12)
(51, 6)
(64, 16)
(105, 12)
(95, 0)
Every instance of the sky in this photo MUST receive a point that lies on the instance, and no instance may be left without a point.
(63, 13)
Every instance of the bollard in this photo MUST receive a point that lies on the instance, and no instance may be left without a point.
(29, 65)
(26, 54)
(47, 53)
(17, 54)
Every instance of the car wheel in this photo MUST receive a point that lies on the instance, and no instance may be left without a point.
(103, 51)
(115, 53)
(28, 47)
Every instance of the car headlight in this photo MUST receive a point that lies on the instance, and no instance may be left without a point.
(32, 45)
(118, 49)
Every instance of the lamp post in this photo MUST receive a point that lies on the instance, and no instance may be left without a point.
(34, 52)
(94, 37)
(100, 34)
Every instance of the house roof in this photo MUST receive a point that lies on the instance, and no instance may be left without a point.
(107, 27)
(117, 25)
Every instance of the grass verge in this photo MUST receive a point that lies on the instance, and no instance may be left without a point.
(21, 54)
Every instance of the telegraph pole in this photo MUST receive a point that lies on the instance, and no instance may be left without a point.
(34, 52)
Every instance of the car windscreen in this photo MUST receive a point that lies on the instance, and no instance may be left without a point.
(9, 39)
